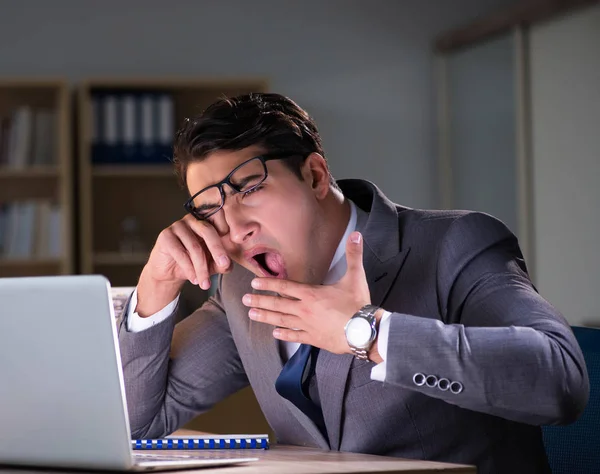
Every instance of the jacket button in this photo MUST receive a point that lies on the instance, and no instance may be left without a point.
(443, 384)
(456, 387)
(431, 381)
(419, 379)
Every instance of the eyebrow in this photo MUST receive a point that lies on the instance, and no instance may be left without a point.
(244, 181)
(207, 207)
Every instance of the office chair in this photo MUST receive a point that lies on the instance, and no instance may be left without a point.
(575, 448)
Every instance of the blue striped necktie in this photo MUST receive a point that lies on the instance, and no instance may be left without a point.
(294, 379)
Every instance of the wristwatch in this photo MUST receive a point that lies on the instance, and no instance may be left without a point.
(361, 331)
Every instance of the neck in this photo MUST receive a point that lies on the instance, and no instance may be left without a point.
(335, 218)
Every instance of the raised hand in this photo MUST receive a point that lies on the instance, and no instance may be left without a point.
(314, 314)
(186, 250)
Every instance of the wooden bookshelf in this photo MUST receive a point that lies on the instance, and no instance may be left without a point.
(43, 171)
(111, 193)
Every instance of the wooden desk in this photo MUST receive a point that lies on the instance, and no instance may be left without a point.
(294, 460)
(297, 460)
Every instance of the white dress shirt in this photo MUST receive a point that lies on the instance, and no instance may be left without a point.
(337, 269)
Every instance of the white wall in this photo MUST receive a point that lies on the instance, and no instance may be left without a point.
(362, 68)
(482, 126)
(565, 74)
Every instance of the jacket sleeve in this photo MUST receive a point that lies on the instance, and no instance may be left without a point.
(511, 352)
(175, 372)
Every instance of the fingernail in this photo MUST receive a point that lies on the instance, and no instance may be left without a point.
(247, 299)
(276, 333)
(194, 281)
(206, 284)
(223, 260)
(253, 313)
(355, 238)
(255, 283)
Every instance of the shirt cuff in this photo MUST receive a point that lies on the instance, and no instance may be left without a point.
(379, 371)
(135, 323)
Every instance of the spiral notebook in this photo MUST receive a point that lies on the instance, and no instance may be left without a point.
(204, 442)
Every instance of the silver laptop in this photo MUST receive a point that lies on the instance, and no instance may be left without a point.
(62, 396)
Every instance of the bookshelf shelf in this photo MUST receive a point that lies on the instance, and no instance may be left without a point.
(19, 267)
(118, 258)
(29, 173)
(132, 171)
(31, 262)
(36, 177)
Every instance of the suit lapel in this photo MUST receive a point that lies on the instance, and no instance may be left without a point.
(382, 261)
(270, 361)
(381, 275)
(264, 346)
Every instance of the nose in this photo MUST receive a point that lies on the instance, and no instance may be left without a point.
(241, 226)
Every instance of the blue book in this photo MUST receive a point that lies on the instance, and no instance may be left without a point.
(204, 442)
(129, 118)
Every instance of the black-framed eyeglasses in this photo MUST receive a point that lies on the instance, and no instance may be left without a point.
(244, 178)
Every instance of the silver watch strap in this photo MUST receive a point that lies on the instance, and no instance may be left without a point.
(361, 354)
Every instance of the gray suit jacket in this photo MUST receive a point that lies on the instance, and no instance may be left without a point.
(463, 308)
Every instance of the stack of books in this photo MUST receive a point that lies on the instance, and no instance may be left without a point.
(132, 127)
(28, 138)
(30, 229)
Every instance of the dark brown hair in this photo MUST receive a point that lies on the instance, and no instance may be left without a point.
(270, 120)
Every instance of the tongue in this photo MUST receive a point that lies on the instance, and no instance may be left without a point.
(274, 263)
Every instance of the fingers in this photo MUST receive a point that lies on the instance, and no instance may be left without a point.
(291, 335)
(212, 240)
(271, 303)
(354, 254)
(281, 320)
(274, 310)
(203, 248)
(180, 256)
(196, 255)
(283, 287)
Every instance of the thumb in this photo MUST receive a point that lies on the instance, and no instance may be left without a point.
(354, 254)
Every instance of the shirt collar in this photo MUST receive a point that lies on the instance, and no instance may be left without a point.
(337, 269)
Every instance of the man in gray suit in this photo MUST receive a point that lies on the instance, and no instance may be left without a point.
(420, 331)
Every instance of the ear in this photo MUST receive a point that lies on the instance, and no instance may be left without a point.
(316, 173)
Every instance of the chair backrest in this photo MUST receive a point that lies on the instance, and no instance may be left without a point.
(575, 448)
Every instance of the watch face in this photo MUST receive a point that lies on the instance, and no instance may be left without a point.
(358, 332)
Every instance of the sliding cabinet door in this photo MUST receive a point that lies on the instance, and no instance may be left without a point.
(565, 112)
(482, 144)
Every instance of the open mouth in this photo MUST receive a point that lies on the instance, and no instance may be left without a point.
(271, 264)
